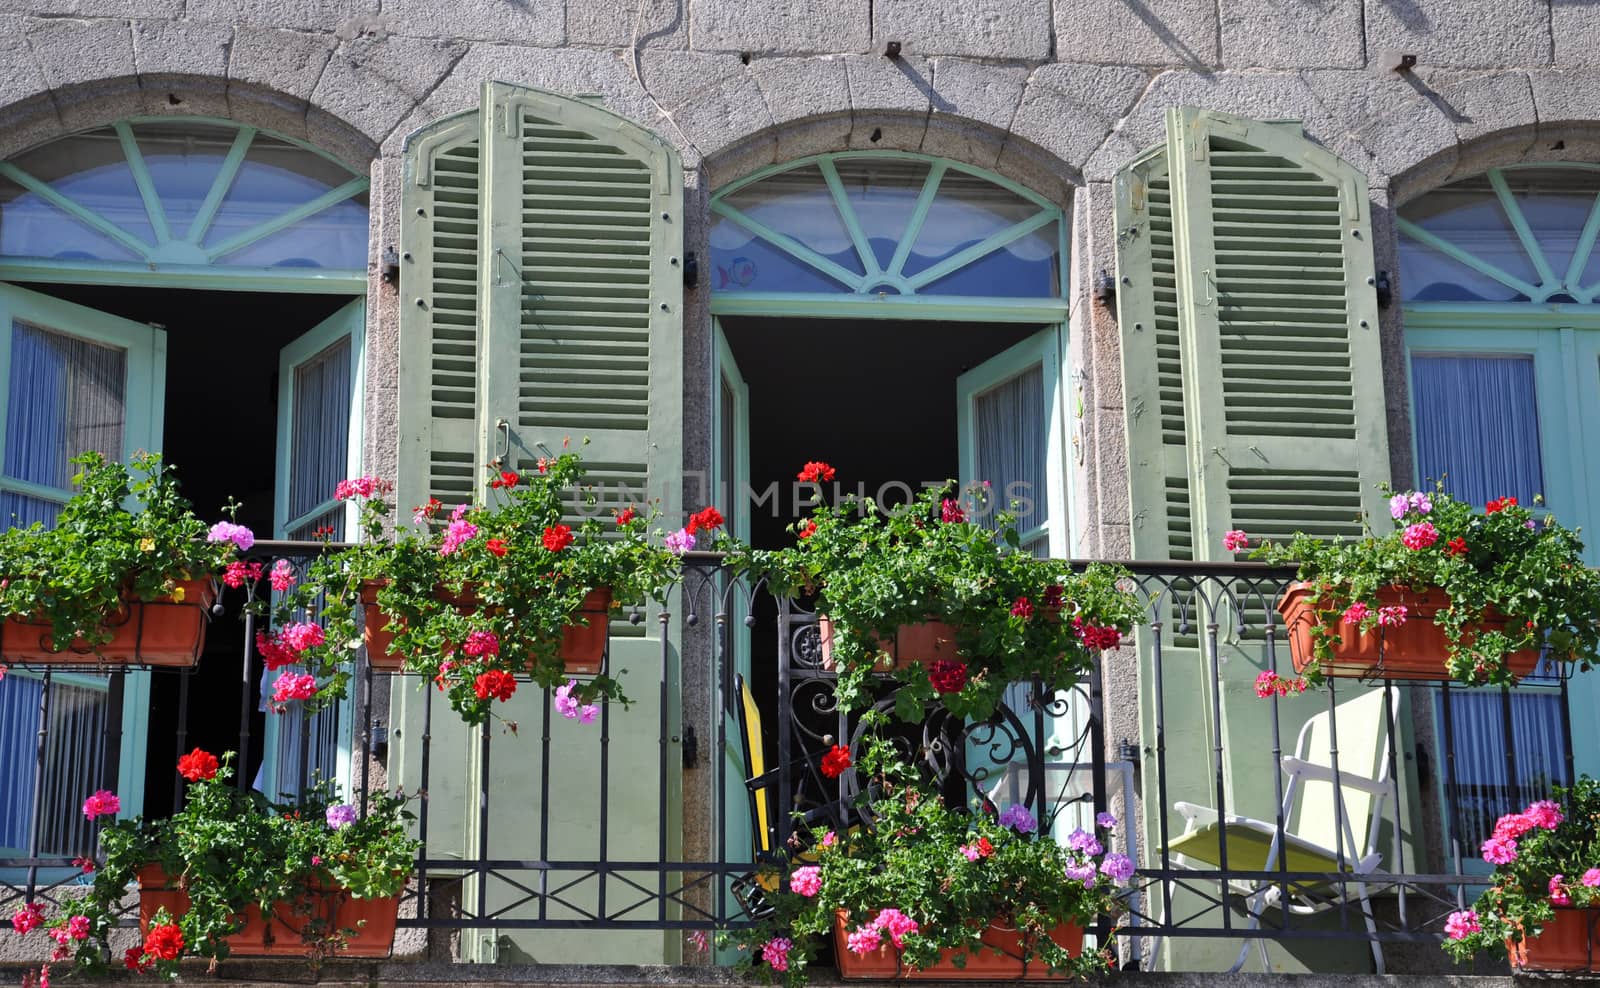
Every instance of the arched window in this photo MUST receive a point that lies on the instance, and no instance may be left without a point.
(1523, 234)
(884, 224)
(157, 196)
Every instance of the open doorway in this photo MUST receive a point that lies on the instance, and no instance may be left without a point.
(216, 413)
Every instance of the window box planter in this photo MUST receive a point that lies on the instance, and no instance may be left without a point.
(583, 645)
(925, 642)
(984, 965)
(370, 922)
(1566, 943)
(161, 632)
(1414, 650)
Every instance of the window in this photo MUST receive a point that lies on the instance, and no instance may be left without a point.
(884, 224)
(167, 195)
(1509, 235)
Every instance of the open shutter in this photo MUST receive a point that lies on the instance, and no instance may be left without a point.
(440, 433)
(1152, 368)
(583, 290)
(1279, 331)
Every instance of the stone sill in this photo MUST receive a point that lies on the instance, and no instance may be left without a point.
(354, 974)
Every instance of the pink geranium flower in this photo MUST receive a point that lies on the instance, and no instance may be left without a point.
(1355, 613)
(806, 881)
(776, 953)
(103, 802)
(1462, 924)
(1420, 536)
(1235, 540)
(1499, 850)
(1545, 814)
(864, 940)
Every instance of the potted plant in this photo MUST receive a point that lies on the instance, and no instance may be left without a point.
(478, 597)
(924, 890)
(232, 873)
(1542, 906)
(123, 576)
(1450, 592)
(955, 609)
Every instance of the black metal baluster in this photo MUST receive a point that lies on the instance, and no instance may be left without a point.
(183, 736)
(42, 740)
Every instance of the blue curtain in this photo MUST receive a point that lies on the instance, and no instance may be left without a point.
(1477, 426)
(64, 396)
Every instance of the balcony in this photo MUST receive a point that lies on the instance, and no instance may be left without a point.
(543, 841)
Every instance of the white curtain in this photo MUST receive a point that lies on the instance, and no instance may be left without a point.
(318, 459)
(1011, 422)
(1477, 429)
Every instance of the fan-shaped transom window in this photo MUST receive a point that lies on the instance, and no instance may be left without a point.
(181, 194)
(886, 224)
(1523, 234)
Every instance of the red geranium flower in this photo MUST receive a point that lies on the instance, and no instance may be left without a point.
(557, 537)
(495, 683)
(816, 472)
(1456, 547)
(1499, 504)
(709, 519)
(134, 959)
(950, 512)
(807, 529)
(496, 546)
(1023, 608)
(1053, 595)
(626, 515)
(197, 765)
(835, 762)
(507, 479)
(165, 942)
(947, 675)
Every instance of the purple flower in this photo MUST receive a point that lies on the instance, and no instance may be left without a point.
(227, 531)
(1082, 840)
(1084, 873)
(1421, 503)
(566, 703)
(680, 542)
(1117, 867)
(1018, 818)
(1399, 505)
(341, 816)
(1105, 821)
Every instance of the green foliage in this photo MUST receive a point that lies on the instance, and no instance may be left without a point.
(1550, 863)
(439, 587)
(76, 575)
(1507, 561)
(228, 849)
(910, 857)
(1015, 616)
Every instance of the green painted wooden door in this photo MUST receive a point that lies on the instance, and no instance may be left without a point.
(75, 379)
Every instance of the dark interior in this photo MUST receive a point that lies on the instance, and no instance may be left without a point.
(220, 433)
(876, 399)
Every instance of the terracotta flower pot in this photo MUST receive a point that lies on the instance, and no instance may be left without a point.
(368, 924)
(925, 642)
(168, 631)
(1566, 943)
(1415, 649)
(583, 646)
(884, 963)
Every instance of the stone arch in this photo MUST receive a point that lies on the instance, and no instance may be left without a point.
(1523, 143)
(944, 135)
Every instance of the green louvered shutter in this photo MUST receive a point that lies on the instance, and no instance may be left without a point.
(586, 217)
(440, 418)
(1147, 312)
(1283, 376)
(581, 292)
(440, 406)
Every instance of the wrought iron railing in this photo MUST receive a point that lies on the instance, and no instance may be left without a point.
(1324, 841)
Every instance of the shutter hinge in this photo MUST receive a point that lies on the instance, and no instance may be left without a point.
(691, 269)
(691, 746)
(389, 267)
